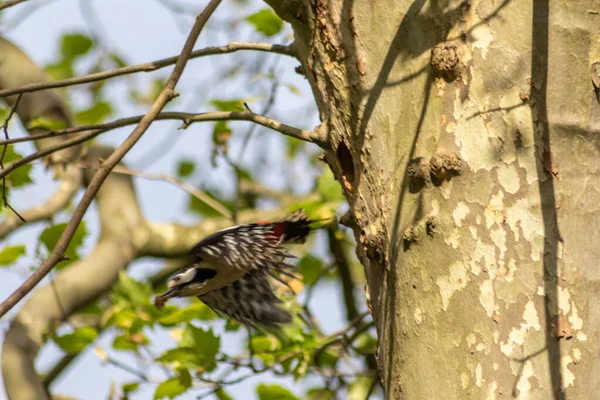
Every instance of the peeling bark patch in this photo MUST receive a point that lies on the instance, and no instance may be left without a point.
(346, 163)
(460, 212)
(523, 385)
(486, 296)
(568, 377)
(455, 281)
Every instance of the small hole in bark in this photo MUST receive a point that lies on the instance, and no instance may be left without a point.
(344, 158)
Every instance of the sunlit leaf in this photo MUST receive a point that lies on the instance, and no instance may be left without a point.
(365, 343)
(122, 343)
(173, 387)
(205, 344)
(266, 22)
(263, 344)
(95, 114)
(185, 168)
(274, 392)
(60, 70)
(138, 293)
(229, 105)
(47, 123)
(311, 268)
(51, 235)
(195, 311)
(359, 389)
(75, 342)
(328, 187)
(222, 395)
(9, 255)
(75, 45)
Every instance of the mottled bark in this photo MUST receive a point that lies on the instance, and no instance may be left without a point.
(465, 136)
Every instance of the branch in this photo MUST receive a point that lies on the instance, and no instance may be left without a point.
(5, 129)
(91, 131)
(187, 119)
(10, 3)
(165, 96)
(150, 66)
(113, 252)
(200, 195)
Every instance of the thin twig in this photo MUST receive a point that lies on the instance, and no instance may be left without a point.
(5, 129)
(167, 94)
(200, 195)
(10, 3)
(187, 118)
(150, 66)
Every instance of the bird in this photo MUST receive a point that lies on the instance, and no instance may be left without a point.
(233, 269)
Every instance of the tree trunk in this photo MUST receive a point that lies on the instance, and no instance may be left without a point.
(465, 136)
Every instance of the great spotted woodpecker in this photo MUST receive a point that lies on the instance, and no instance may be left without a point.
(232, 270)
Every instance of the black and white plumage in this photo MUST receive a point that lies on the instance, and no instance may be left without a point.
(233, 268)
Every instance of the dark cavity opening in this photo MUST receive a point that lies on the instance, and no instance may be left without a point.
(346, 162)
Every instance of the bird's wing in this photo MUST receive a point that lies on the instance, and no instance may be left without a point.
(249, 300)
(254, 246)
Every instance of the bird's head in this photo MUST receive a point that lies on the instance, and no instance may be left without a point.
(186, 283)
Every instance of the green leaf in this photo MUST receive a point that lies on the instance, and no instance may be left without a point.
(328, 187)
(274, 392)
(222, 395)
(359, 389)
(311, 268)
(60, 70)
(229, 105)
(185, 168)
(204, 209)
(75, 45)
(9, 255)
(122, 343)
(130, 387)
(196, 310)
(266, 22)
(365, 343)
(73, 343)
(205, 344)
(264, 344)
(173, 387)
(320, 394)
(51, 235)
(95, 114)
(136, 292)
(20, 176)
(47, 123)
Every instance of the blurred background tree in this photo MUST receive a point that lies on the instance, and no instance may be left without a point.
(89, 330)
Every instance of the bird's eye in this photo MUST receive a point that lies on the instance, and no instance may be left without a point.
(177, 278)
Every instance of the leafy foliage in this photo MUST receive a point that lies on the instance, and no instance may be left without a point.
(50, 236)
(266, 22)
(73, 343)
(9, 255)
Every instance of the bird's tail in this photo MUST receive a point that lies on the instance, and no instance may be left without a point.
(295, 227)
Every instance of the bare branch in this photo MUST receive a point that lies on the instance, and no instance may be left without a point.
(187, 119)
(10, 3)
(69, 184)
(165, 96)
(5, 129)
(150, 66)
(200, 195)
(92, 131)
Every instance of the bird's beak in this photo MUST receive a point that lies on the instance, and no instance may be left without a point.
(161, 299)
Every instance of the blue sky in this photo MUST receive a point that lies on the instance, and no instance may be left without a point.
(145, 30)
